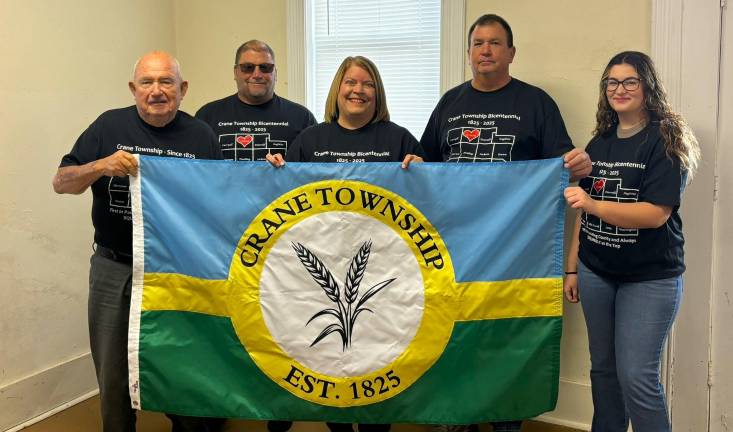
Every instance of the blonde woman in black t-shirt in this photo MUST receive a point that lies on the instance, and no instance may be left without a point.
(626, 259)
(356, 126)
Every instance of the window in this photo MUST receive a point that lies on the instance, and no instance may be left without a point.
(409, 41)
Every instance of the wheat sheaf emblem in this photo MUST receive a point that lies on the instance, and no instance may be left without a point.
(347, 308)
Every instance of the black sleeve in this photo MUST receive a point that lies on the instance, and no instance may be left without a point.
(410, 145)
(586, 182)
(216, 153)
(311, 120)
(87, 147)
(203, 114)
(663, 178)
(295, 152)
(555, 138)
(206, 115)
(430, 141)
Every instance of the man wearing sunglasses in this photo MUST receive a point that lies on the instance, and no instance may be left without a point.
(255, 121)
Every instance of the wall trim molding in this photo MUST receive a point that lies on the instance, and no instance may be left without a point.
(54, 411)
(452, 43)
(574, 399)
(297, 42)
(667, 45)
(685, 46)
(38, 396)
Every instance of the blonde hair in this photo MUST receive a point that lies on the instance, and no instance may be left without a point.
(332, 110)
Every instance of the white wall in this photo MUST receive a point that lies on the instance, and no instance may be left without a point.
(63, 64)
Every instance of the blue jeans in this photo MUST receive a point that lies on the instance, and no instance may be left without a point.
(628, 323)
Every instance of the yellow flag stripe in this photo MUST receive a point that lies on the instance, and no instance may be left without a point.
(515, 298)
(169, 291)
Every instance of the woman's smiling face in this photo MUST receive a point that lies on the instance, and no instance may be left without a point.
(625, 101)
(356, 97)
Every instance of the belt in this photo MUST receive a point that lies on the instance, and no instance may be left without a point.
(114, 255)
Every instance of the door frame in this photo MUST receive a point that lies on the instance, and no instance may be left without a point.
(688, 61)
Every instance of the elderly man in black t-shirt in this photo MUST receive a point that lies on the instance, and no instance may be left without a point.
(497, 118)
(255, 121)
(102, 158)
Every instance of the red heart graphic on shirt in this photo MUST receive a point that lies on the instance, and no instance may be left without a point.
(471, 134)
(598, 185)
(244, 140)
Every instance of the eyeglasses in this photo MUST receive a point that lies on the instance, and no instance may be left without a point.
(248, 68)
(630, 84)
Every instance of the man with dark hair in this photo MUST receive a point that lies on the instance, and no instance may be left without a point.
(496, 118)
(103, 159)
(255, 121)
(489, 19)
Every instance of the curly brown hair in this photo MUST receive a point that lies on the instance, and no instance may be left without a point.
(679, 140)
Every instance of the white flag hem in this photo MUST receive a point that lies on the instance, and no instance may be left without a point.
(138, 271)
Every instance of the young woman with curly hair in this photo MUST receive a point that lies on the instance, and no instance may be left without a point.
(626, 259)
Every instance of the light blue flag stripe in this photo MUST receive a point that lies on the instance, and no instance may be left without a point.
(200, 241)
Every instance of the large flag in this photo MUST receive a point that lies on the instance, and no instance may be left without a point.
(347, 292)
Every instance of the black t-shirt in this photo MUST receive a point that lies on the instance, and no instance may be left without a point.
(375, 142)
(634, 169)
(123, 129)
(517, 122)
(249, 132)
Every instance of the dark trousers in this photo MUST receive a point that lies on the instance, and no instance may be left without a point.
(110, 285)
(507, 426)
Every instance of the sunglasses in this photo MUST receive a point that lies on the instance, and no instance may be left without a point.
(248, 68)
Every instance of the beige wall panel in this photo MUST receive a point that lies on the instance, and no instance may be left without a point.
(63, 64)
(208, 35)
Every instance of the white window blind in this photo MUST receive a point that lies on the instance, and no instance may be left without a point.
(402, 37)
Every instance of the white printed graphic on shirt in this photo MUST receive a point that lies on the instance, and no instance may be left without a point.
(119, 193)
(118, 189)
(469, 144)
(250, 146)
(603, 233)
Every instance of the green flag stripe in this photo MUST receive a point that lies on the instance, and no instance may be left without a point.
(488, 367)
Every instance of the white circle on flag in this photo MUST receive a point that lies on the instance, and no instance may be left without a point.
(290, 295)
